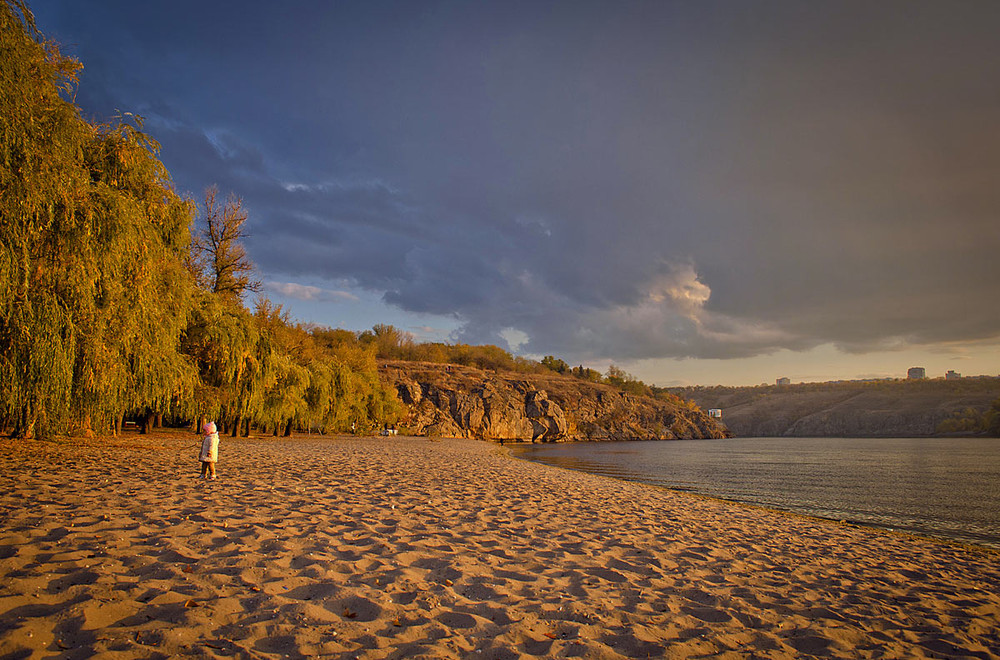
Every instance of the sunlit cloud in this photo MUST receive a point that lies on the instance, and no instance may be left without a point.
(681, 288)
(673, 320)
(309, 293)
(515, 338)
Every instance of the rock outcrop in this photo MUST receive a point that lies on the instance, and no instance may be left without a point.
(455, 401)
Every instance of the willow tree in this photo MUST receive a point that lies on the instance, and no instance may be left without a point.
(142, 292)
(40, 186)
(345, 388)
(233, 357)
(284, 400)
(93, 238)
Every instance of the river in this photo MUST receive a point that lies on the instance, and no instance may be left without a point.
(942, 487)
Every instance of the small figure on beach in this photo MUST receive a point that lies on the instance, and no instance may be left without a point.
(209, 450)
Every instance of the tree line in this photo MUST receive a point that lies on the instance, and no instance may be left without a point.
(115, 303)
(973, 422)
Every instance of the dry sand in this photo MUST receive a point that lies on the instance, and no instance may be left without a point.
(402, 547)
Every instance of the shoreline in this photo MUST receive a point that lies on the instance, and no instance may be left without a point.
(333, 546)
(986, 543)
(966, 545)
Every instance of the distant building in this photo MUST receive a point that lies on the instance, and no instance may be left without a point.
(784, 381)
(715, 412)
(916, 373)
(952, 375)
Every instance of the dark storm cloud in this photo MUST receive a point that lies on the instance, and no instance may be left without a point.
(616, 180)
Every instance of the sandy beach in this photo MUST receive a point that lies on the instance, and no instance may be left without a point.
(408, 548)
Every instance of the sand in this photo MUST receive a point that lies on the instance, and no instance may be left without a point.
(407, 548)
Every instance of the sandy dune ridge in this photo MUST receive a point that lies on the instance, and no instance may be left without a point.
(403, 547)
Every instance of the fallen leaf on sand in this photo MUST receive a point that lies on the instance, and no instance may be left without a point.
(449, 582)
(191, 603)
(187, 569)
(349, 614)
(551, 635)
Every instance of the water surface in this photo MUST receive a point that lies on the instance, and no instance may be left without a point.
(945, 487)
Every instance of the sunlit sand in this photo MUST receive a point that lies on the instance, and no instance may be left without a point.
(404, 547)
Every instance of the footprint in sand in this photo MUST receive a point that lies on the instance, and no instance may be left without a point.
(314, 591)
(707, 614)
(608, 575)
(457, 620)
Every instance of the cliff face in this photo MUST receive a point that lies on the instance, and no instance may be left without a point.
(463, 402)
(863, 409)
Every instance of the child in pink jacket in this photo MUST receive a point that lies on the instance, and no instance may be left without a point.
(209, 450)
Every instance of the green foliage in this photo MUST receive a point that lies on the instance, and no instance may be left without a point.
(626, 382)
(92, 288)
(991, 420)
(389, 342)
(320, 378)
(587, 374)
(234, 358)
(347, 389)
(40, 182)
(973, 421)
(555, 364)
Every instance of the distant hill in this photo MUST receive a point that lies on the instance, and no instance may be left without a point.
(463, 401)
(898, 408)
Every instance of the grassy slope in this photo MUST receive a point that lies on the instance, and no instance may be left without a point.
(884, 408)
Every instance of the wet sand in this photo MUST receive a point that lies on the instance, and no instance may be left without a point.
(404, 548)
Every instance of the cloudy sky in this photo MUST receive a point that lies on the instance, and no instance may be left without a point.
(699, 192)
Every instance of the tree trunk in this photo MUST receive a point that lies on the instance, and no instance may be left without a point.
(288, 429)
(236, 427)
(158, 422)
(39, 427)
(25, 427)
(146, 423)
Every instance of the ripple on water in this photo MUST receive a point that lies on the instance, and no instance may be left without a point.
(944, 487)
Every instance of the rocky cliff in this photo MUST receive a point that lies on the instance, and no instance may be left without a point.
(464, 402)
(850, 409)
